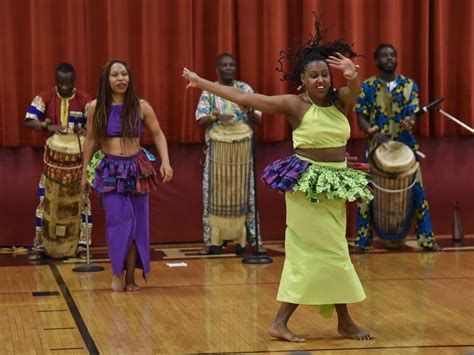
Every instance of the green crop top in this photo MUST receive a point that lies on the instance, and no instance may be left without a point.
(322, 127)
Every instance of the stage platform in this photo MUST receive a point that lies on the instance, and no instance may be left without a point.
(417, 302)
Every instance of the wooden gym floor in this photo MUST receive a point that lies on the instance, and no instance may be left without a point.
(417, 303)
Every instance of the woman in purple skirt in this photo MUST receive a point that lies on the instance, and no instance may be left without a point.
(122, 170)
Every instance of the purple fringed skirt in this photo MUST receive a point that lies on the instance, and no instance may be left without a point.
(283, 174)
(124, 183)
(129, 175)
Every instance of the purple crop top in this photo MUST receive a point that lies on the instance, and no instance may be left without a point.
(114, 127)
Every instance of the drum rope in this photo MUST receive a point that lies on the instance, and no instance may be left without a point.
(394, 191)
(60, 167)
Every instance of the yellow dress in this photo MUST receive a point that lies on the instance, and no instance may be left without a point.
(318, 270)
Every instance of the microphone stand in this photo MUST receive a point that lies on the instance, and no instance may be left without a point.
(87, 267)
(258, 257)
(432, 105)
(454, 119)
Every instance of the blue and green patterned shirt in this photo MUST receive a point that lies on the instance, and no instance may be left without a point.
(209, 102)
(386, 105)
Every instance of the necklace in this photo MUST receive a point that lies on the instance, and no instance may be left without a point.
(309, 98)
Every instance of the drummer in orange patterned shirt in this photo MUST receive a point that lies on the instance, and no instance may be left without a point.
(57, 110)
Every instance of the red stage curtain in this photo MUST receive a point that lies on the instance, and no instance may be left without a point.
(434, 40)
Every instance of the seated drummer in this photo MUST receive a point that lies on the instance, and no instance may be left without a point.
(386, 110)
(54, 110)
(212, 110)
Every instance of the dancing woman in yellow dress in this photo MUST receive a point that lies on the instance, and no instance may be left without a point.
(316, 182)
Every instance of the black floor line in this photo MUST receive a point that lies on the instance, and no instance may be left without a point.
(76, 315)
(45, 293)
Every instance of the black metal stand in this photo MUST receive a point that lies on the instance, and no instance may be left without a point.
(87, 267)
(258, 257)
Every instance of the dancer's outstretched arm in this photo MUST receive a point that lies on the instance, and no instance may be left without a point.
(279, 104)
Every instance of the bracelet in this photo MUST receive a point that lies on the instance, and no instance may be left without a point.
(352, 76)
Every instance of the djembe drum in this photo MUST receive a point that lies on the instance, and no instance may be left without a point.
(393, 168)
(230, 164)
(63, 197)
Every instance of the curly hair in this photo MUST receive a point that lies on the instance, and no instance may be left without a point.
(311, 51)
(130, 119)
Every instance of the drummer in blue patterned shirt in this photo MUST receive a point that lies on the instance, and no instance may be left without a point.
(386, 110)
(213, 110)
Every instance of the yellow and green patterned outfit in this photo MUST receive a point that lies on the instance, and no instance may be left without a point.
(318, 270)
(386, 105)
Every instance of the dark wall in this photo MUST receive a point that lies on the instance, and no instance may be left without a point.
(175, 208)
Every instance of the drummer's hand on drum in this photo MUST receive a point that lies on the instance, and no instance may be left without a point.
(55, 128)
(380, 138)
(408, 122)
(80, 130)
(225, 118)
(190, 76)
(166, 172)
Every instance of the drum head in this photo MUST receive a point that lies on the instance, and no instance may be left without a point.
(233, 132)
(64, 143)
(394, 157)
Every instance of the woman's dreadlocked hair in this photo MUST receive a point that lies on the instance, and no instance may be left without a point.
(312, 51)
(130, 117)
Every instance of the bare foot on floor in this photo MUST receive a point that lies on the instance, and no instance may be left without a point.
(117, 284)
(350, 330)
(132, 287)
(282, 332)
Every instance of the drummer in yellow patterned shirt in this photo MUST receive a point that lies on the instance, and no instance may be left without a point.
(58, 110)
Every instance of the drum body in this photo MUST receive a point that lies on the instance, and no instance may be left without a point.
(394, 169)
(63, 198)
(230, 164)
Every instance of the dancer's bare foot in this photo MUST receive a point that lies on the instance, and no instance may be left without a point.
(117, 284)
(132, 287)
(281, 331)
(350, 330)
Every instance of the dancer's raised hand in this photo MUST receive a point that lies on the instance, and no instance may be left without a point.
(190, 76)
(344, 64)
